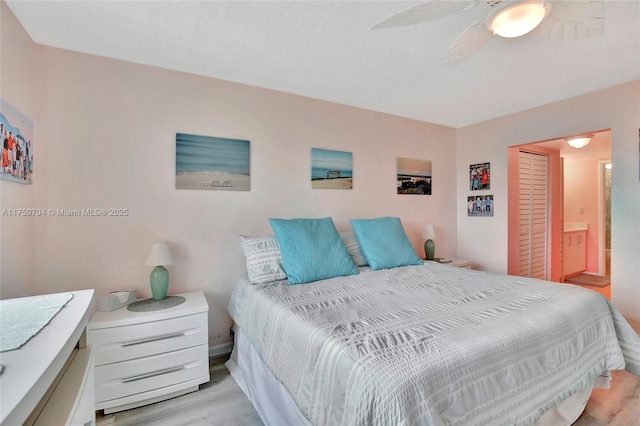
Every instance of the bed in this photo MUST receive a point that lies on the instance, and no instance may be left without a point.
(426, 344)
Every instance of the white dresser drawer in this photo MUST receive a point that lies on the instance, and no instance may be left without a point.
(129, 342)
(141, 375)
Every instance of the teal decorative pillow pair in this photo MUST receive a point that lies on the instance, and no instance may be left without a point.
(313, 250)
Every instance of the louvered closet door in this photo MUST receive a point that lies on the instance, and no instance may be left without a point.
(533, 215)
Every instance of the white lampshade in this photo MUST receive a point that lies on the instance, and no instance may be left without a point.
(159, 254)
(580, 141)
(429, 233)
(517, 19)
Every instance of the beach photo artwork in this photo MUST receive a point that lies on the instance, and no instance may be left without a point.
(331, 169)
(16, 130)
(205, 162)
(413, 176)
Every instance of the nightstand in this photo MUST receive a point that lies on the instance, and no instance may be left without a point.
(459, 263)
(146, 357)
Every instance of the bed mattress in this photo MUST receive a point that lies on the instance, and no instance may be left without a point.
(432, 344)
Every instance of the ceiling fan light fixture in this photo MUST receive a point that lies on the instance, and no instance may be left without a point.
(517, 19)
(580, 141)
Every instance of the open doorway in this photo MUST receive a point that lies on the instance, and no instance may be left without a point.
(579, 200)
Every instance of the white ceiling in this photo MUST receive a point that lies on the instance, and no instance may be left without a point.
(325, 50)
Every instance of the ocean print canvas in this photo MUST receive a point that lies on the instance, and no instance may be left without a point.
(413, 176)
(16, 133)
(331, 169)
(212, 163)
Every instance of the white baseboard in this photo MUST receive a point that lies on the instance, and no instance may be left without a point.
(223, 349)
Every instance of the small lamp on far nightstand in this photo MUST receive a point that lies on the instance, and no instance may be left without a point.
(159, 257)
(429, 236)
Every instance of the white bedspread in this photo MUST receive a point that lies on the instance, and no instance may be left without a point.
(432, 345)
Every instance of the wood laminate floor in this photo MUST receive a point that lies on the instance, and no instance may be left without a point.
(221, 402)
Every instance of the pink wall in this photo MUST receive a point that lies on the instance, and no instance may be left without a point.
(616, 108)
(17, 235)
(111, 126)
(581, 190)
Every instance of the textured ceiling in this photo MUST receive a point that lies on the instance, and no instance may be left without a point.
(325, 50)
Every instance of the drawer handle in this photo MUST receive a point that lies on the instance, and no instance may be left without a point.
(151, 374)
(152, 339)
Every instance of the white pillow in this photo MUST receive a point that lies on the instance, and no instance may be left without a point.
(353, 247)
(264, 260)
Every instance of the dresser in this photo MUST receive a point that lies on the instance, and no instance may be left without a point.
(145, 357)
(49, 380)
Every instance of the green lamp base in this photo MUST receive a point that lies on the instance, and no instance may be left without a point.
(429, 249)
(159, 282)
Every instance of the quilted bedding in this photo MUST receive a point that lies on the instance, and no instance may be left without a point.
(432, 344)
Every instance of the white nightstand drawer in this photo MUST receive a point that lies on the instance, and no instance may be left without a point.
(129, 342)
(153, 372)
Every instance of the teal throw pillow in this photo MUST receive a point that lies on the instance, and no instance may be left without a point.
(384, 243)
(311, 250)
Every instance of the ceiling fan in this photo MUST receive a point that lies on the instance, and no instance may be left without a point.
(555, 20)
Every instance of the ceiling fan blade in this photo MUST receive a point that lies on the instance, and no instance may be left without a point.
(571, 20)
(469, 42)
(429, 11)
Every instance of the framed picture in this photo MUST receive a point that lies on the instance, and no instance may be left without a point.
(413, 176)
(331, 169)
(480, 205)
(211, 163)
(479, 176)
(16, 130)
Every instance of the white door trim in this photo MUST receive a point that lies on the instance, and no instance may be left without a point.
(601, 216)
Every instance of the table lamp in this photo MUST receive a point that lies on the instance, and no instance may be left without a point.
(429, 246)
(159, 257)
